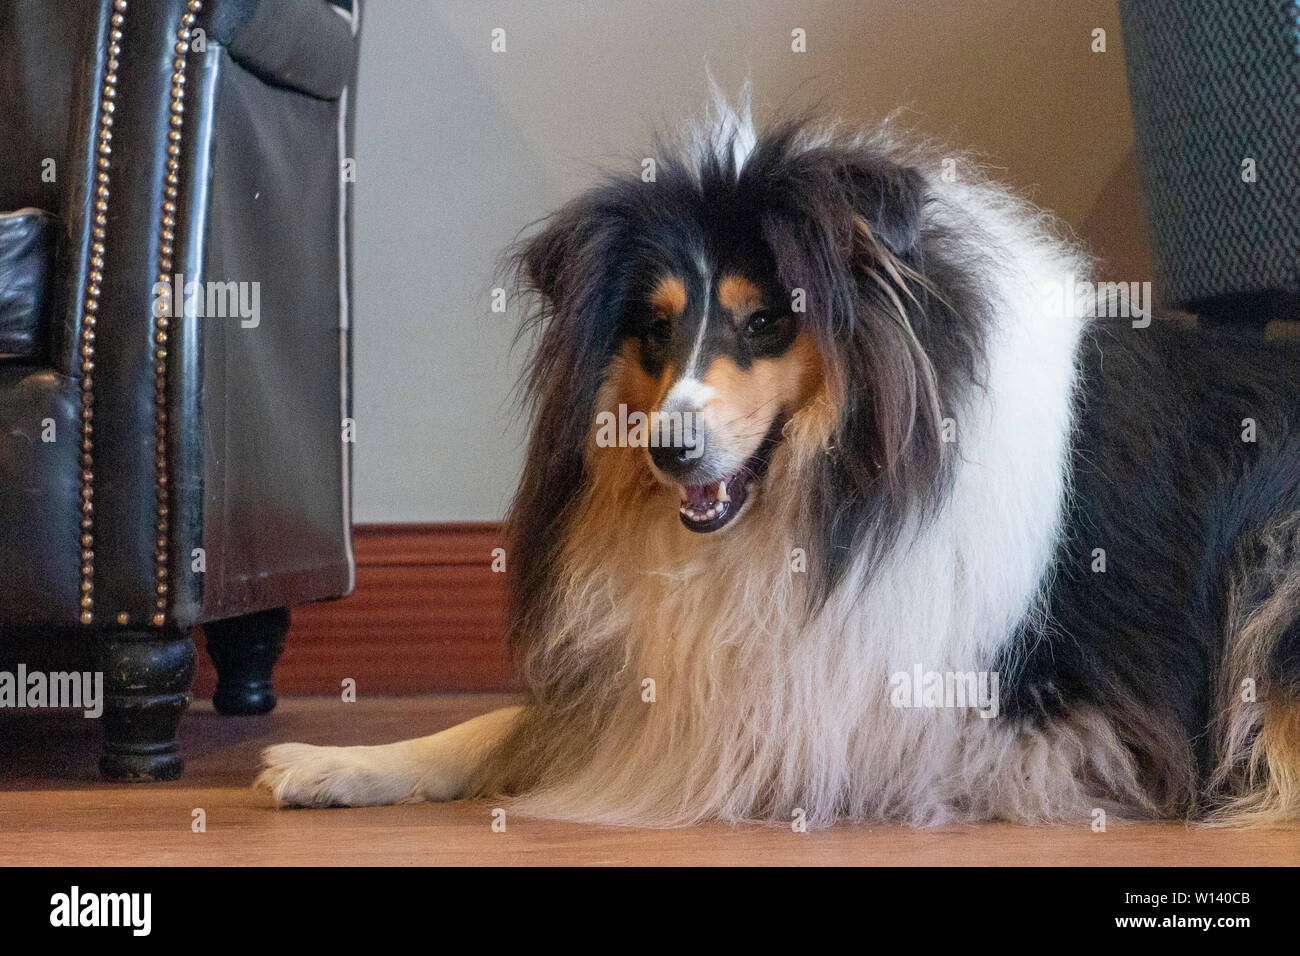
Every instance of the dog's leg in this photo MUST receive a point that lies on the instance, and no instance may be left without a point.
(438, 767)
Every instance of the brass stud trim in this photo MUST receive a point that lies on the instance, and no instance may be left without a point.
(90, 305)
(161, 323)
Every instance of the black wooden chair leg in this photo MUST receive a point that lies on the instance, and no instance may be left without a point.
(146, 689)
(244, 650)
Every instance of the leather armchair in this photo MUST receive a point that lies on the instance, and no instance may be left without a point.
(177, 454)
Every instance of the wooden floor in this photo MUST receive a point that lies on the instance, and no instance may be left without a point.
(54, 811)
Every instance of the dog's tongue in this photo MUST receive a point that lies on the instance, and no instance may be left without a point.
(700, 495)
(709, 507)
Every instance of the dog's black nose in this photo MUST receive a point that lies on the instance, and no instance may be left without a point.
(679, 458)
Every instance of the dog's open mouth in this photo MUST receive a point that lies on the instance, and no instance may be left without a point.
(713, 506)
(709, 507)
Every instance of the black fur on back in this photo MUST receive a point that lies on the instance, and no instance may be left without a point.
(1164, 483)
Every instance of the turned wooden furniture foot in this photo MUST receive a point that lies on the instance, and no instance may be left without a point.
(146, 689)
(244, 650)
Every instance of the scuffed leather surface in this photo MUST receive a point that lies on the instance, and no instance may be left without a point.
(39, 497)
(273, 456)
(28, 240)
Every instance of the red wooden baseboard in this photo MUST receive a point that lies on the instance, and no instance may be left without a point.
(427, 615)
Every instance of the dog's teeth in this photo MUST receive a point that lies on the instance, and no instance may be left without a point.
(706, 510)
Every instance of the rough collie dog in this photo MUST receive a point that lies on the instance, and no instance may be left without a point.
(938, 545)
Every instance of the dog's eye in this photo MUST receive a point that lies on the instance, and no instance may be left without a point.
(661, 330)
(758, 322)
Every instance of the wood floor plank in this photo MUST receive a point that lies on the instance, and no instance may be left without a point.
(53, 811)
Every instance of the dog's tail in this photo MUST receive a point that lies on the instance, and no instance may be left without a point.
(1256, 778)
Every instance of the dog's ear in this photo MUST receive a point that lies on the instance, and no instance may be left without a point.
(542, 257)
(547, 261)
(889, 199)
(572, 266)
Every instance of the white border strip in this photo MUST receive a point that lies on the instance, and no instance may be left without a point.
(345, 315)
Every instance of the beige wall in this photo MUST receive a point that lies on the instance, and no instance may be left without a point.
(458, 148)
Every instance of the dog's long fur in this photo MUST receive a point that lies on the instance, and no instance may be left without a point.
(1165, 685)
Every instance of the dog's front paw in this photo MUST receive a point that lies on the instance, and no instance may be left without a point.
(304, 775)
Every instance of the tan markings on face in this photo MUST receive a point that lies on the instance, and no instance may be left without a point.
(669, 297)
(746, 401)
(634, 388)
(811, 429)
(618, 472)
(740, 296)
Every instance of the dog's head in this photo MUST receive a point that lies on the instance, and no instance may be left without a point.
(710, 363)
(746, 299)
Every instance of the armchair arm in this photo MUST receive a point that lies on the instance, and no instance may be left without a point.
(304, 45)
